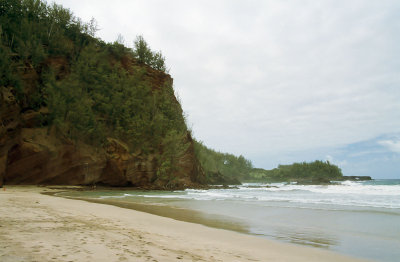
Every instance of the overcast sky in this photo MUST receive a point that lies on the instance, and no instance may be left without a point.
(277, 81)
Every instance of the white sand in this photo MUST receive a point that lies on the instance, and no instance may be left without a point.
(36, 227)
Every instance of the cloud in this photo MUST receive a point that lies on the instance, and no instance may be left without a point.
(335, 161)
(393, 145)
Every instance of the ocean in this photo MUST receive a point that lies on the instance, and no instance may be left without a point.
(356, 218)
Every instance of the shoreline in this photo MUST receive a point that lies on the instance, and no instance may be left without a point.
(179, 214)
(39, 227)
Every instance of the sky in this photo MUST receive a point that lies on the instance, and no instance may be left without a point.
(277, 81)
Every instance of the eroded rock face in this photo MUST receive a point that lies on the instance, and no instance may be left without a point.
(32, 155)
(38, 157)
(141, 170)
(41, 158)
(127, 169)
(9, 126)
(3, 162)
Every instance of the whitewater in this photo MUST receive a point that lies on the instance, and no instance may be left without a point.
(377, 193)
(357, 218)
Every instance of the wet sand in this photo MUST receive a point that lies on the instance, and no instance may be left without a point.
(37, 227)
(164, 210)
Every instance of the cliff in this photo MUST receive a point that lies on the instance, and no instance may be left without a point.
(40, 155)
(75, 110)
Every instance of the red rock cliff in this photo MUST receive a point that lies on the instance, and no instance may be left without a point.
(30, 154)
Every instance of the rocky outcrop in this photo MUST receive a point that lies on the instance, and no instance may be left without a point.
(313, 181)
(9, 127)
(357, 178)
(41, 158)
(141, 170)
(38, 155)
(216, 178)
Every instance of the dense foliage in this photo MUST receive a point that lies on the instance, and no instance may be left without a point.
(314, 172)
(216, 164)
(52, 62)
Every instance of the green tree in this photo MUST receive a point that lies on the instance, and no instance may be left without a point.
(142, 51)
(145, 55)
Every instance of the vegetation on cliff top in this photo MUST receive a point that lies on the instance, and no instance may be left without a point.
(317, 172)
(222, 168)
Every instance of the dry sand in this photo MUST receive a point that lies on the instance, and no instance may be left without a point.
(37, 227)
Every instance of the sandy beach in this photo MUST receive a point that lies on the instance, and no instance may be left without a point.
(37, 227)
